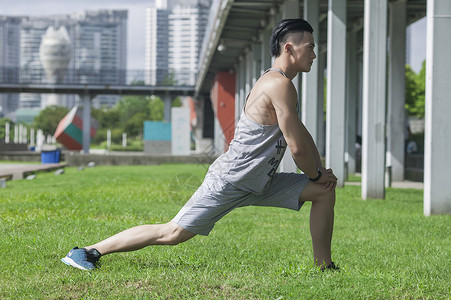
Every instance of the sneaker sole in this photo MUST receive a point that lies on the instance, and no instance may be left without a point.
(70, 262)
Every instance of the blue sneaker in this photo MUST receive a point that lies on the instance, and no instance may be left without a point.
(82, 258)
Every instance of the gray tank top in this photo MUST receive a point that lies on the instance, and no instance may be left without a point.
(253, 156)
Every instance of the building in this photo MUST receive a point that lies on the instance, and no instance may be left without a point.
(9, 61)
(100, 49)
(157, 32)
(174, 33)
(99, 54)
(32, 29)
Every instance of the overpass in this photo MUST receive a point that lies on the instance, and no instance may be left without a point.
(90, 83)
(361, 47)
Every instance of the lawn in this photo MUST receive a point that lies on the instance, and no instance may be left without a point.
(385, 248)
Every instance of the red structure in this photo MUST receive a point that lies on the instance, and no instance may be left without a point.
(70, 130)
(223, 101)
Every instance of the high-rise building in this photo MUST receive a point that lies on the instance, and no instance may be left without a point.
(31, 70)
(157, 38)
(174, 33)
(99, 54)
(100, 49)
(9, 61)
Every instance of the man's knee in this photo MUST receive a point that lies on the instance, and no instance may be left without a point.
(327, 196)
(314, 192)
(174, 235)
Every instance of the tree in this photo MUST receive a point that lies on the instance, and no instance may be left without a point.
(415, 91)
(134, 126)
(128, 106)
(107, 118)
(177, 102)
(156, 109)
(49, 118)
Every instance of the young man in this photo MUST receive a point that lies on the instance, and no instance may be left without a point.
(246, 173)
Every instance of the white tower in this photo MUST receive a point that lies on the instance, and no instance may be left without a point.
(55, 53)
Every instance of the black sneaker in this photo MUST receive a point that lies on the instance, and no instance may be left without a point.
(82, 258)
(331, 267)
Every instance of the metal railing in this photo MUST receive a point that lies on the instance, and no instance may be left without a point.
(173, 78)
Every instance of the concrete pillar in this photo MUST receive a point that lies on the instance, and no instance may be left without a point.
(21, 127)
(266, 52)
(351, 102)
(396, 125)
(321, 133)
(7, 128)
(237, 91)
(336, 87)
(32, 137)
(437, 187)
(86, 123)
(290, 9)
(374, 76)
(16, 134)
(256, 61)
(167, 107)
(242, 88)
(249, 74)
(310, 97)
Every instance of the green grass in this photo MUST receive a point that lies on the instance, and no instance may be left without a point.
(387, 249)
(354, 178)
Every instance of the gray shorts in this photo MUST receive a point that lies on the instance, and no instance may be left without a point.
(216, 197)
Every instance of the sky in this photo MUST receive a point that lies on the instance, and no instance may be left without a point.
(136, 23)
(135, 27)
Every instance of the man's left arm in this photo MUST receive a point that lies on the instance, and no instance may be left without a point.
(317, 159)
(315, 151)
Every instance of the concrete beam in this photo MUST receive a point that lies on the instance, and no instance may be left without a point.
(374, 76)
(437, 187)
(336, 87)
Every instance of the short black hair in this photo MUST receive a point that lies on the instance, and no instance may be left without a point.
(282, 29)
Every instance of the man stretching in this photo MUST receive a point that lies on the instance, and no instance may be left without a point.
(246, 174)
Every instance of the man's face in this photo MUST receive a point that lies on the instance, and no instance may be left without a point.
(304, 53)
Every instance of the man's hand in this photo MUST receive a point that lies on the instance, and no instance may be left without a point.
(327, 180)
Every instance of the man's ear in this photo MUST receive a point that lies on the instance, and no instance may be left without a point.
(288, 48)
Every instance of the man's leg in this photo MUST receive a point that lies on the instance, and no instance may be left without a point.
(142, 236)
(321, 221)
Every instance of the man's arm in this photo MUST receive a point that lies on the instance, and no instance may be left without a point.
(316, 155)
(284, 101)
(303, 149)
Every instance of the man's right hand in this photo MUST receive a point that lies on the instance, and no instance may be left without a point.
(327, 180)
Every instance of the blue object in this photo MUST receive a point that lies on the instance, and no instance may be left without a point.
(157, 131)
(51, 157)
(78, 258)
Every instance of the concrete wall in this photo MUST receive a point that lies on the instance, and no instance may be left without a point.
(123, 159)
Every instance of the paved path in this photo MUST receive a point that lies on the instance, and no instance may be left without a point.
(20, 171)
(399, 184)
